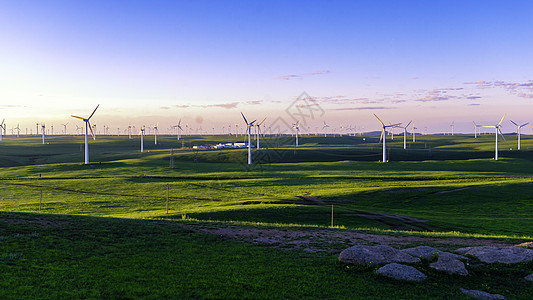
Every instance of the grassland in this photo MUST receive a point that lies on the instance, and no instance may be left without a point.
(106, 224)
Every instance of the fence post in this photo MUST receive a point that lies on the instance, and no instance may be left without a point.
(331, 215)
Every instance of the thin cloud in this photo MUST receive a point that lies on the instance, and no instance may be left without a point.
(164, 107)
(366, 108)
(181, 106)
(319, 72)
(224, 105)
(474, 104)
(289, 77)
(10, 106)
(254, 102)
(295, 76)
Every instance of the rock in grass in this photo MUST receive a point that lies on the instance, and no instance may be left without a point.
(481, 294)
(448, 263)
(529, 277)
(423, 252)
(375, 255)
(401, 272)
(506, 255)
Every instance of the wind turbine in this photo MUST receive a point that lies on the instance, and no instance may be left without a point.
(18, 130)
(87, 129)
(518, 131)
(414, 133)
(37, 128)
(141, 133)
(259, 131)
(179, 129)
(65, 126)
(156, 130)
(452, 126)
(384, 136)
(326, 128)
(405, 134)
(475, 129)
(297, 127)
(2, 126)
(43, 127)
(497, 129)
(249, 125)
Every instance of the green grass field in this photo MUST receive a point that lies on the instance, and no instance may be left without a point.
(107, 233)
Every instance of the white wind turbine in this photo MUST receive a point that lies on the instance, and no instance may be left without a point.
(475, 129)
(2, 126)
(259, 131)
(414, 133)
(405, 134)
(18, 130)
(65, 126)
(518, 131)
(179, 129)
(43, 128)
(297, 127)
(249, 125)
(156, 130)
(129, 132)
(452, 126)
(326, 129)
(497, 129)
(384, 136)
(141, 133)
(87, 129)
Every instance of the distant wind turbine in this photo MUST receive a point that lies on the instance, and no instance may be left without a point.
(156, 130)
(297, 127)
(405, 134)
(249, 125)
(43, 127)
(518, 131)
(141, 133)
(475, 129)
(259, 131)
(497, 129)
(2, 126)
(65, 126)
(18, 130)
(452, 126)
(87, 129)
(326, 129)
(384, 136)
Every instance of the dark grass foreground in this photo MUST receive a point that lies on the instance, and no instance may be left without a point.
(71, 257)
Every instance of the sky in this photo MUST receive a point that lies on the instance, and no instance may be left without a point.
(204, 62)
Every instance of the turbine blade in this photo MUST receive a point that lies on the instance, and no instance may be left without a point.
(524, 124)
(513, 122)
(381, 137)
(489, 126)
(77, 117)
(500, 132)
(474, 123)
(91, 129)
(93, 112)
(262, 122)
(394, 125)
(245, 121)
(408, 124)
(501, 119)
(379, 120)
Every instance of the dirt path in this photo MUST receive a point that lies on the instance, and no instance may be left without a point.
(331, 240)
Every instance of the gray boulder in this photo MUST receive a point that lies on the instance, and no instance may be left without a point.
(401, 272)
(427, 253)
(448, 263)
(375, 255)
(481, 295)
(506, 255)
(529, 277)
(423, 252)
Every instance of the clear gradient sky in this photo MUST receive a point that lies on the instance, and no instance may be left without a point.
(206, 61)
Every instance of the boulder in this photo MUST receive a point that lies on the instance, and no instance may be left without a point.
(448, 263)
(427, 253)
(481, 294)
(506, 255)
(401, 272)
(375, 255)
(529, 277)
(423, 252)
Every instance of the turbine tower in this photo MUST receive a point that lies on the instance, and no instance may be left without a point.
(384, 136)
(65, 126)
(497, 129)
(2, 126)
(141, 133)
(179, 129)
(43, 127)
(259, 131)
(249, 125)
(87, 129)
(405, 134)
(452, 126)
(297, 127)
(518, 131)
(156, 130)
(18, 130)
